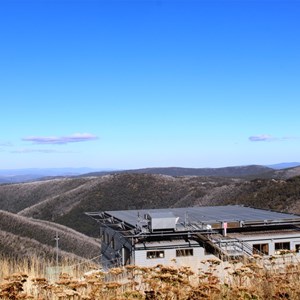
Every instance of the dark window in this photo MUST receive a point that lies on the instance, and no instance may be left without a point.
(112, 243)
(102, 235)
(261, 249)
(282, 246)
(297, 247)
(107, 238)
(207, 252)
(184, 252)
(155, 254)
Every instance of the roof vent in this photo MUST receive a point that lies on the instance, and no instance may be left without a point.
(162, 221)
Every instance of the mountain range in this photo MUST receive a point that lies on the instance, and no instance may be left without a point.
(31, 174)
(26, 175)
(284, 165)
(32, 212)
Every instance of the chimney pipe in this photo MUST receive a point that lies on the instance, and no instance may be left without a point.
(224, 226)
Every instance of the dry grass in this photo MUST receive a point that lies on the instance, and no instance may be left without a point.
(252, 280)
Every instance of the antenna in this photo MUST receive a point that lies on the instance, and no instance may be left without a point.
(57, 249)
(138, 217)
(186, 218)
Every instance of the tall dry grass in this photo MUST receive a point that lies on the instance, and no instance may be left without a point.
(275, 278)
(37, 267)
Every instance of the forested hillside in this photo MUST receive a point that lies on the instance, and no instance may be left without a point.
(23, 237)
(66, 200)
(235, 171)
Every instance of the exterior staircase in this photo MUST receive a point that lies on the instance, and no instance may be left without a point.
(226, 248)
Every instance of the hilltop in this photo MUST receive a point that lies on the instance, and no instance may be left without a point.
(38, 209)
(236, 171)
(65, 200)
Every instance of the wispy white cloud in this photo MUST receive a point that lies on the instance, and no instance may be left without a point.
(28, 150)
(38, 151)
(73, 138)
(270, 138)
(261, 138)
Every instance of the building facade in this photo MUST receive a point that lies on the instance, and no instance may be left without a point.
(187, 236)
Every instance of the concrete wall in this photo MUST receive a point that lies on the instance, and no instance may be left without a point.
(118, 250)
(272, 240)
(170, 258)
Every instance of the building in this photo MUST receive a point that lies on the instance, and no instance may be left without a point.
(187, 236)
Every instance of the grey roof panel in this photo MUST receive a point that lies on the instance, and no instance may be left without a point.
(207, 214)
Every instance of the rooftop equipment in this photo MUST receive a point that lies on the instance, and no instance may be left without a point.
(161, 221)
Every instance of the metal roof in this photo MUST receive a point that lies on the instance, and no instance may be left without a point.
(209, 215)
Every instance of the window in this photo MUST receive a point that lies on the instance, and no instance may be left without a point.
(107, 238)
(297, 247)
(261, 249)
(155, 254)
(282, 246)
(184, 252)
(207, 251)
(102, 235)
(112, 243)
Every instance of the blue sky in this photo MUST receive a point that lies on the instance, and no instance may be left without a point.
(132, 84)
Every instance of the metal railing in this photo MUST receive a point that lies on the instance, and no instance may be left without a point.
(233, 247)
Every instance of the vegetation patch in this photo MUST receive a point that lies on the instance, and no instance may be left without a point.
(250, 280)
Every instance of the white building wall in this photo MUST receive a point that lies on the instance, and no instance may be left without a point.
(170, 259)
(272, 240)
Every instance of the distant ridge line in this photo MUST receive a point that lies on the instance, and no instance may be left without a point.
(246, 171)
(236, 171)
